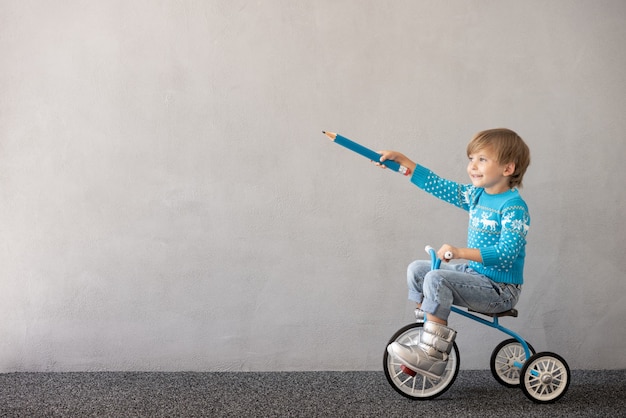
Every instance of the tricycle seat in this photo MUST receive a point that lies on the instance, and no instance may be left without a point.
(510, 312)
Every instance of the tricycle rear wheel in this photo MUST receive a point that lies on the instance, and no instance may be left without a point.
(503, 360)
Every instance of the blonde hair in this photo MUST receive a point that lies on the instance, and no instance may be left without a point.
(509, 148)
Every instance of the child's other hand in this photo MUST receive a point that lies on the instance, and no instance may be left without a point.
(447, 252)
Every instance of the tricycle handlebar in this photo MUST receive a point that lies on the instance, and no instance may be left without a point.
(434, 261)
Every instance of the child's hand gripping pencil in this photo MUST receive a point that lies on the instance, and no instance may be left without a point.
(366, 152)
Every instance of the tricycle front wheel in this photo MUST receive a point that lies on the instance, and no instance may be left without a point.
(414, 385)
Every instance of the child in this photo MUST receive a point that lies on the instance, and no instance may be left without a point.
(491, 280)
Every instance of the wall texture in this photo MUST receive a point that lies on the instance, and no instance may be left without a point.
(168, 202)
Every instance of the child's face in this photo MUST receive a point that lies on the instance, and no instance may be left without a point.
(485, 171)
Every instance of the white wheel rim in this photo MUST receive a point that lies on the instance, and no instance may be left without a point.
(546, 378)
(505, 359)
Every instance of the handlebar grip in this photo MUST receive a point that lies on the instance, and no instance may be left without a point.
(448, 255)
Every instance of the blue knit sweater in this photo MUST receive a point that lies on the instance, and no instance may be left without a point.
(498, 224)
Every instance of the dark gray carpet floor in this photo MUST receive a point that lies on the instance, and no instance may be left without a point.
(292, 394)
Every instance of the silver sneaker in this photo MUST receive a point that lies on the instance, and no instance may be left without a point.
(430, 356)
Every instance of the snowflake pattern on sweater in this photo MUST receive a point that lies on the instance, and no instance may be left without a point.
(498, 224)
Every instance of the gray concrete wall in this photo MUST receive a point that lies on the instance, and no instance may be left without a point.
(168, 202)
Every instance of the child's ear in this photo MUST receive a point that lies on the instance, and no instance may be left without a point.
(509, 169)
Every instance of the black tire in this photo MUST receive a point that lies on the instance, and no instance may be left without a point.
(418, 387)
(545, 377)
(502, 362)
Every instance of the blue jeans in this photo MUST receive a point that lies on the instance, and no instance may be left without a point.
(457, 284)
